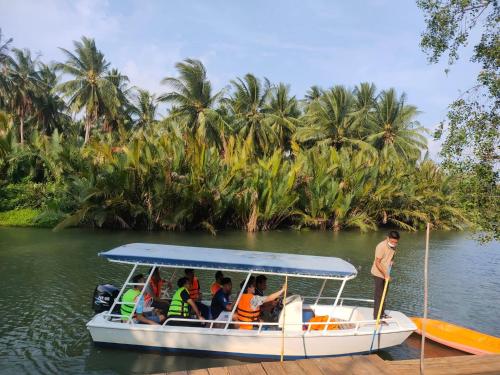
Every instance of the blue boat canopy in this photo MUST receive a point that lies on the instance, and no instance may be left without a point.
(231, 260)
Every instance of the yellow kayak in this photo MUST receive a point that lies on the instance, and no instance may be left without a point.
(457, 337)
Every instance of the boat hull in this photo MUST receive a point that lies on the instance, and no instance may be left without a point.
(459, 338)
(232, 342)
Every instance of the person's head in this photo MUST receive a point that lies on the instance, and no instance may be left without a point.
(250, 287)
(189, 272)
(139, 278)
(227, 285)
(184, 282)
(393, 238)
(219, 276)
(261, 282)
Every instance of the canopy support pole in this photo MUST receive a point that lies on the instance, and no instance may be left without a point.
(119, 296)
(335, 304)
(284, 320)
(320, 293)
(131, 316)
(237, 301)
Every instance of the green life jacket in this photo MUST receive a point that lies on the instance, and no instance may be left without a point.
(129, 296)
(178, 307)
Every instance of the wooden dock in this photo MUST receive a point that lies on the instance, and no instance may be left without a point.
(364, 364)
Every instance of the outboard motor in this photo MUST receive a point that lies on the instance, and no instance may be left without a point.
(104, 296)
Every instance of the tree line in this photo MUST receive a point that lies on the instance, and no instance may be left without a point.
(80, 146)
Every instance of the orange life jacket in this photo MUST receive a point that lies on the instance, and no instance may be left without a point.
(194, 291)
(214, 288)
(322, 319)
(156, 287)
(245, 313)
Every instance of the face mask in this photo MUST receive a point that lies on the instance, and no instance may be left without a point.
(391, 245)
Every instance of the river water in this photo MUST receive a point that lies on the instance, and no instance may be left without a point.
(47, 280)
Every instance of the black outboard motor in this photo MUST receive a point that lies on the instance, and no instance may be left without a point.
(104, 296)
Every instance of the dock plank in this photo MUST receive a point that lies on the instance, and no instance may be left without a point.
(238, 370)
(256, 369)
(332, 366)
(309, 366)
(274, 368)
(217, 371)
(201, 371)
(293, 368)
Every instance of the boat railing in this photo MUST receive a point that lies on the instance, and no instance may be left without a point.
(357, 324)
(341, 299)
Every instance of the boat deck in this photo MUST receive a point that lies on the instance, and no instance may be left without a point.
(365, 364)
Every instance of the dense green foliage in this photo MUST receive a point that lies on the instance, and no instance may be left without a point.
(471, 134)
(252, 157)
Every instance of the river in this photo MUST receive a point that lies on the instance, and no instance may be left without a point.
(47, 280)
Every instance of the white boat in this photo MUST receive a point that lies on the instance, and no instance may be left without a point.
(290, 335)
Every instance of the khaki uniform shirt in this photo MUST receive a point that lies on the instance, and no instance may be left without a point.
(386, 254)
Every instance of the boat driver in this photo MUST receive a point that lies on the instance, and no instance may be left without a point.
(248, 309)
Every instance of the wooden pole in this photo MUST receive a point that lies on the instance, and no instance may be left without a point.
(424, 321)
(284, 320)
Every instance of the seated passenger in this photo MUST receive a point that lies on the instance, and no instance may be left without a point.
(217, 284)
(195, 293)
(221, 300)
(260, 289)
(131, 296)
(182, 303)
(154, 289)
(248, 309)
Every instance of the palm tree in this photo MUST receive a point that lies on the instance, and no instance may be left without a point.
(145, 107)
(282, 113)
(49, 108)
(395, 131)
(4, 49)
(364, 94)
(193, 100)
(313, 93)
(90, 89)
(247, 104)
(330, 120)
(119, 110)
(23, 84)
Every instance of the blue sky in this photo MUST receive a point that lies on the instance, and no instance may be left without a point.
(301, 43)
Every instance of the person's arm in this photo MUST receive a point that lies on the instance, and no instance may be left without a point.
(195, 309)
(380, 267)
(141, 318)
(273, 296)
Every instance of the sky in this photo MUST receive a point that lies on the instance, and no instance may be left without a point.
(299, 42)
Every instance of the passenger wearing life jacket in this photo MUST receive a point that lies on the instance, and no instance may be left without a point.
(182, 304)
(217, 284)
(132, 297)
(222, 299)
(248, 309)
(195, 293)
(155, 288)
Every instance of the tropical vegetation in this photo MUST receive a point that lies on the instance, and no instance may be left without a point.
(80, 146)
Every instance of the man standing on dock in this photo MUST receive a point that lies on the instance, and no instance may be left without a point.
(384, 253)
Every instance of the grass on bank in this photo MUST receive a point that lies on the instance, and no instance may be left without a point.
(23, 217)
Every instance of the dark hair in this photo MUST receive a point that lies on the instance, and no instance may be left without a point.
(219, 275)
(156, 270)
(260, 279)
(188, 270)
(225, 280)
(137, 278)
(393, 234)
(182, 281)
(251, 280)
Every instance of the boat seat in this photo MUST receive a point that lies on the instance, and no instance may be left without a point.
(293, 315)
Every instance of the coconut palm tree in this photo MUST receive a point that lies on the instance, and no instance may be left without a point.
(23, 85)
(118, 113)
(49, 108)
(282, 113)
(330, 120)
(395, 132)
(4, 48)
(194, 101)
(313, 94)
(247, 103)
(144, 107)
(90, 88)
